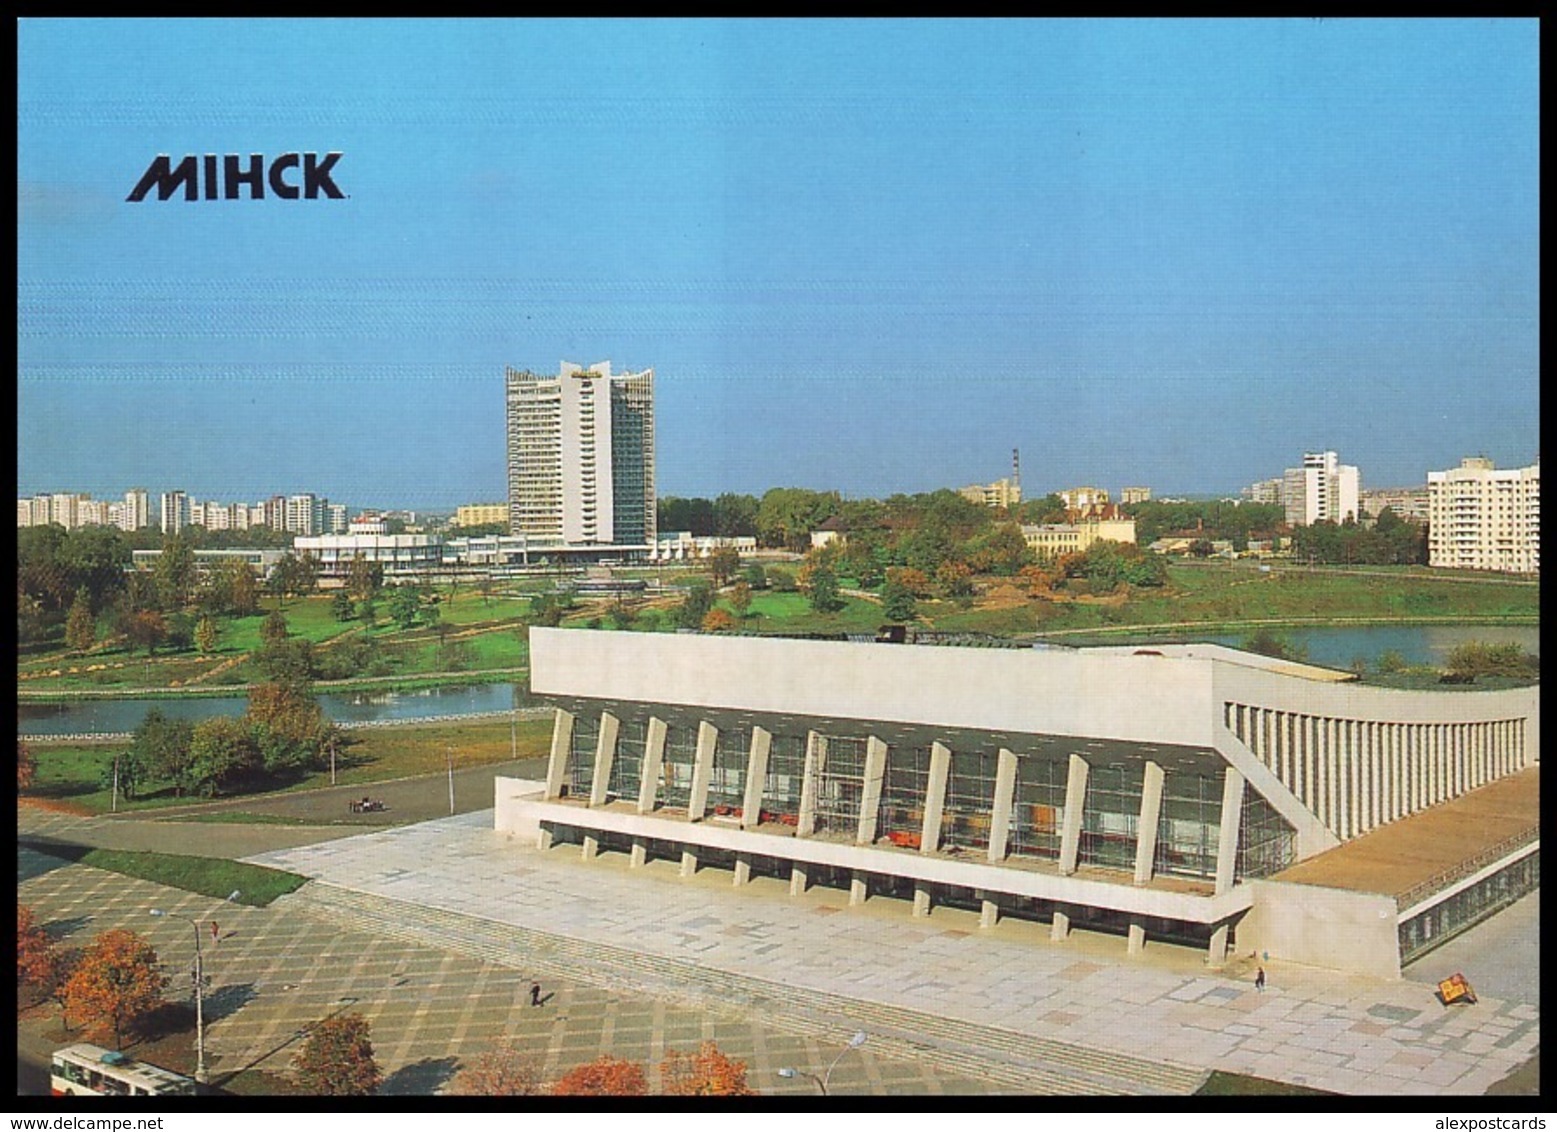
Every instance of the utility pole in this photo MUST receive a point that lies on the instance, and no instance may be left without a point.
(114, 805)
(450, 751)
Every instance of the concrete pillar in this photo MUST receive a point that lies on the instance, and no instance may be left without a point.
(1227, 830)
(797, 878)
(1332, 810)
(1137, 939)
(1146, 825)
(935, 797)
(702, 770)
(989, 910)
(1366, 758)
(921, 899)
(870, 790)
(1216, 953)
(742, 869)
(859, 887)
(1075, 800)
(561, 744)
(544, 840)
(653, 763)
(688, 862)
(640, 855)
(591, 847)
(756, 777)
(1059, 927)
(605, 755)
(816, 761)
(1000, 811)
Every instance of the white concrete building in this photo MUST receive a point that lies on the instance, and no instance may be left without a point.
(174, 511)
(680, 546)
(1159, 793)
(136, 514)
(398, 554)
(1135, 495)
(581, 457)
(1264, 491)
(1323, 488)
(1483, 518)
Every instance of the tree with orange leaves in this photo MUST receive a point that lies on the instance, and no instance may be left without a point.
(116, 984)
(337, 1059)
(706, 1073)
(502, 1071)
(26, 766)
(604, 1077)
(34, 950)
(718, 621)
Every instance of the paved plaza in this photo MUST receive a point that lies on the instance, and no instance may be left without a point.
(1309, 1027)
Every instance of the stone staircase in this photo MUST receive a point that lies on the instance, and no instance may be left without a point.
(1018, 1061)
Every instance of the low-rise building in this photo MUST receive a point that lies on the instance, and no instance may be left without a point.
(679, 546)
(1002, 493)
(1083, 498)
(1406, 502)
(398, 554)
(1050, 540)
(481, 514)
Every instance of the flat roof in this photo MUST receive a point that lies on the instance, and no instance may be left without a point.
(1397, 858)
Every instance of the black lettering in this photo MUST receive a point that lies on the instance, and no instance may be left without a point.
(162, 174)
(317, 176)
(254, 178)
(277, 185)
(210, 176)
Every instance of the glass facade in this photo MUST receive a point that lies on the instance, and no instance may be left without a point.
(840, 786)
(677, 766)
(1266, 843)
(1038, 807)
(786, 777)
(1189, 825)
(902, 796)
(627, 766)
(581, 755)
(1447, 919)
(727, 782)
(970, 797)
(1110, 816)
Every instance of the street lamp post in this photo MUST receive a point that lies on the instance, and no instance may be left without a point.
(200, 1074)
(821, 1081)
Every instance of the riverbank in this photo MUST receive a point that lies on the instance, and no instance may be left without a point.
(463, 679)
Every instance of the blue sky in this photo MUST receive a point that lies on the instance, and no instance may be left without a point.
(870, 256)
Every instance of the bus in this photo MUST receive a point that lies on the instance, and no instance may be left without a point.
(84, 1070)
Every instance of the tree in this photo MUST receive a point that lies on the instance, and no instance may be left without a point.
(545, 609)
(695, 607)
(1267, 643)
(174, 572)
(206, 635)
(755, 576)
(1391, 660)
(722, 564)
(273, 630)
(740, 598)
(718, 621)
(337, 1058)
(159, 751)
(80, 625)
(502, 1071)
(621, 613)
(364, 578)
(242, 587)
(367, 612)
(404, 605)
(290, 661)
(341, 606)
(1201, 548)
(26, 766)
(146, 629)
(223, 754)
(606, 1076)
(35, 961)
(116, 985)
(1480, 658)
(288, 726)
(916, 582)
(706, 1073)
(897, 602)
(955, 578)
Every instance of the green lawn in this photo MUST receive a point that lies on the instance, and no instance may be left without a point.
(77, 774)
(209, 876)
(792, 613)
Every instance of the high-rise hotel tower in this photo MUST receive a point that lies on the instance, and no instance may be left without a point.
(581, 457)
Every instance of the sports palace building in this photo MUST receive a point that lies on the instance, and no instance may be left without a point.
(1185, 794)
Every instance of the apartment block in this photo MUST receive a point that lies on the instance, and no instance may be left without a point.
(1484, 518)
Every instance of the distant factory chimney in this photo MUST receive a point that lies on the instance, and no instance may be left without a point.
(1016, 468)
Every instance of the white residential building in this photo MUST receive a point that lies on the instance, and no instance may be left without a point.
(1322, 489)
(136, 513)
(174, 508)
(1482, 518)
(581, 457)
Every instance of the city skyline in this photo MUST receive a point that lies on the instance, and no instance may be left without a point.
(869, 257)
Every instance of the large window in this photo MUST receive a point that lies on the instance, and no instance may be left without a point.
(1038, 807)
(902, 796)
(1108, 821)
(840, 786)
(676, 768)
(581, 755)
(970, 796)
(627, 766)
(727, 783)
(1189, 824)
(1266, 843)
(786, 777)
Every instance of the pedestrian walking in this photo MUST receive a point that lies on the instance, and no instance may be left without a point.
(216, 932)
(1259, 978)
(535, 994)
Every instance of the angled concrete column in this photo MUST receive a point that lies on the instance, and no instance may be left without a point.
(561, 744)
(870, 790)
(544, 841)
(797, 878)
(1227, 839)
(935, 797)
(989, 910)
(1059, 927)
(640, 854)
(605, 755)
(688, 862)
(702, 770)
(1075, 800)
(742, 869)
(921, 899)
(859, 886)
(816, 761)
(591, 847)
(1146, 826)
(653, 763)
(756, 777)
(1216, 953)
(1000, 812)
(1137, 943)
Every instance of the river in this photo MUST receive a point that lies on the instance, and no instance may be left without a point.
(1336, 647)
